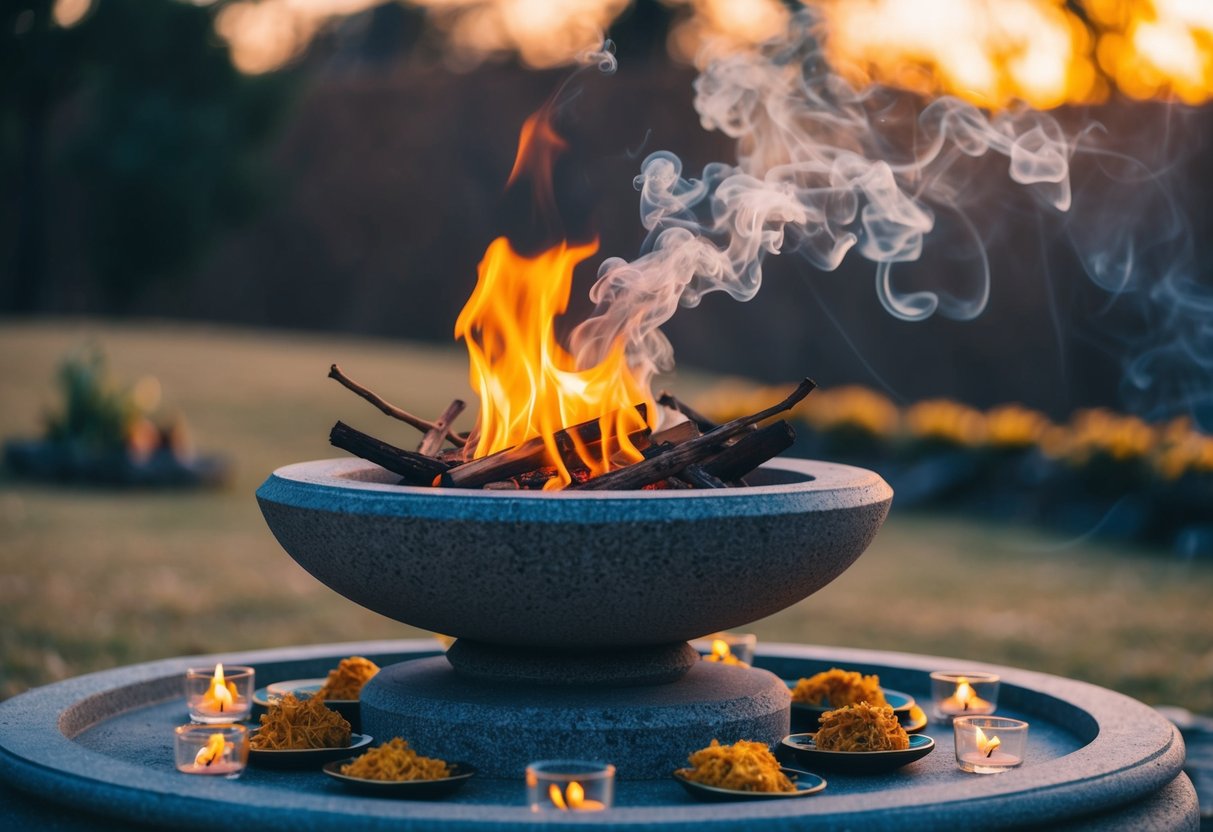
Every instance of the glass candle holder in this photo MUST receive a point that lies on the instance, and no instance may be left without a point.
(215, 750)
(731, 648)
(964, 693)
(219, 694)
(989, 744)
(570, 786)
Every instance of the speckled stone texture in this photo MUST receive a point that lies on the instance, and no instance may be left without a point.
(566, 569)
(646, 732)
(647, 665)
(95, 753)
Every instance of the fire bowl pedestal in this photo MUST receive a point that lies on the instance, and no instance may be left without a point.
(643, 731)
(573, 609)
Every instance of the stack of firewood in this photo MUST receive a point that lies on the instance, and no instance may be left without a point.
(695, 453)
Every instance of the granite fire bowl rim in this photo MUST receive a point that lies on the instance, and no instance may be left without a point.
(360, 486)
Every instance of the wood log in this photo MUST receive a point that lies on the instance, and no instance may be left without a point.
(700, 477)
(413, 468)
(390, 409)
(677, 458)
(674, 403)
(529, 455)
(431, 443)
(676, 434)
(750, 451)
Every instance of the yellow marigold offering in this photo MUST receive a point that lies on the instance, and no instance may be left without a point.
(835, 688)
(394, 760)
(743, 766)
(346, 680)
(292, 722)
(861, 727)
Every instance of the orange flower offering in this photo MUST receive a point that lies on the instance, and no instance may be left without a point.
(836, 688)
(861, 727)
(743, 766)
(346, 680)
(394, 760)
(292, 722)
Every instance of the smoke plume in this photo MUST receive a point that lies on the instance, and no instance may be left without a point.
(824, 169)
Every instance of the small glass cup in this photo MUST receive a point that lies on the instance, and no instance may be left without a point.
(989, 744)
(723, 647)
(963, 693)
(570, 786)
(218, 695)
(215, 750)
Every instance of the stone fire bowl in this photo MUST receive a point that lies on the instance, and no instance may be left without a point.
(574, 569)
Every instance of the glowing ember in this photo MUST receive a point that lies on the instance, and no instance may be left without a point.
(212, 751)
(529, 385)
(987, 746)
(573, 798)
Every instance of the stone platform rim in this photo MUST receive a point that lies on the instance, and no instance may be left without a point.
(1133, 752)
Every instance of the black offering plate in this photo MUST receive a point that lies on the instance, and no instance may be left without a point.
(805, 782)
(805, 752)
(303, 688)
(405, 789)
(297, 758)
(805, 716)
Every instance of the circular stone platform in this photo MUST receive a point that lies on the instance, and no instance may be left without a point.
(95, 753)
(644, 731)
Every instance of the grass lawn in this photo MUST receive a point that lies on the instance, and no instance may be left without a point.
(90, 579)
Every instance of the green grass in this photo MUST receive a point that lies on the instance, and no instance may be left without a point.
(90, 579)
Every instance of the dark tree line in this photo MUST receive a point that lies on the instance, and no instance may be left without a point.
(136, 117)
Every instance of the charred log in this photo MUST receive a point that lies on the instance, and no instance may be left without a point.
(414, 468)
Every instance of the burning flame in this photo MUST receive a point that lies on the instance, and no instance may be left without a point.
(529, 385)
(987, 746)
(212, 751)
(221, 695)
(573, 798)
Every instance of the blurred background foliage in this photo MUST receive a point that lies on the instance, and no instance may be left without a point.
(128, 133)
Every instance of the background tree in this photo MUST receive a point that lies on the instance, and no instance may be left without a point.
(136, 112)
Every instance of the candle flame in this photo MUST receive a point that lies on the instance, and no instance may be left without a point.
(987, 746)
(723, 654)
(215, 746)
(964, 692)
(573, 798)
(221, 695)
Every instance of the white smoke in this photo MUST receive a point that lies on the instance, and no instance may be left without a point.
(823, 168)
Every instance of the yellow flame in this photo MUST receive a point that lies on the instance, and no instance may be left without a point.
(221, 695)
(964, 693)
(573, 798)
(987, 746)
(528, 384)
(212, 751)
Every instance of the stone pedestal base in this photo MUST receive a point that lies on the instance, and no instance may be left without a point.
(647, 732)
(641, 665)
